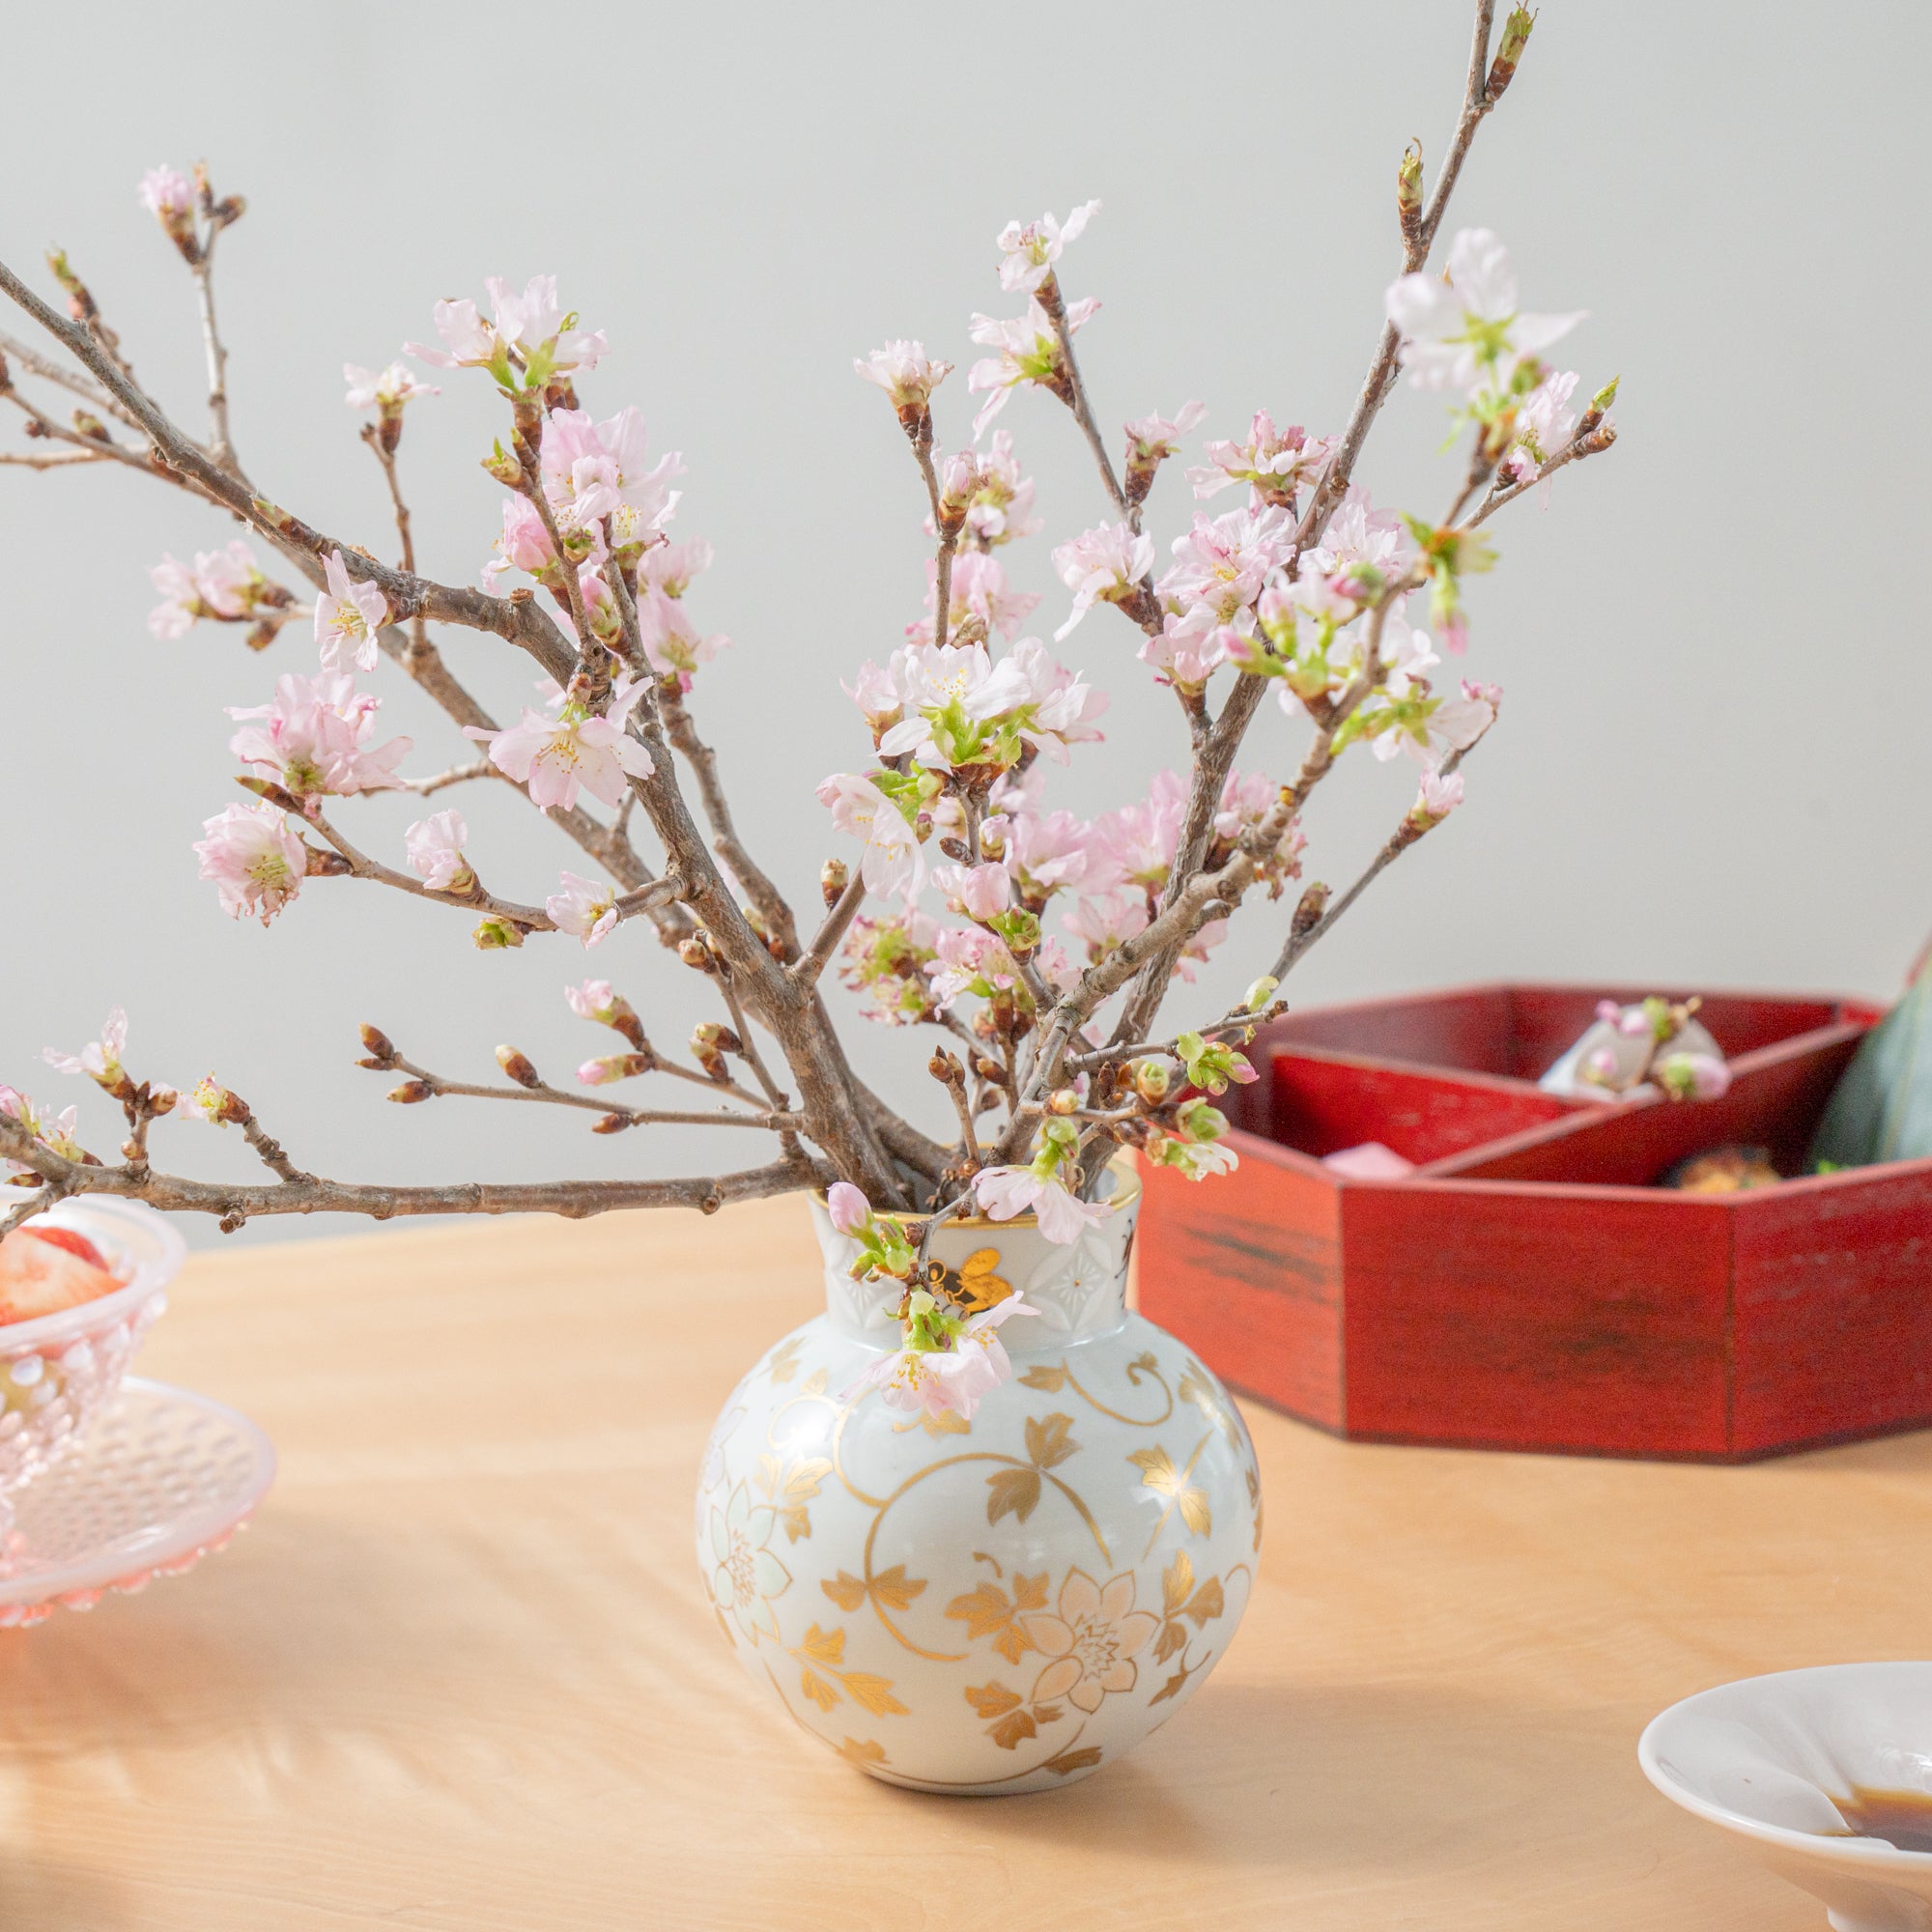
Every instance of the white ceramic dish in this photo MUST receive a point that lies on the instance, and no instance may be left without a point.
(164, 1478)
(1766, 1757)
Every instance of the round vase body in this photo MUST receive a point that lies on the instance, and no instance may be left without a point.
(997, 1605)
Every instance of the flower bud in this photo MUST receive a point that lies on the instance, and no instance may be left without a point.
(494, 935)
(945, 1068)
(834, 876)
(611, 1123)
(1259, 993)
(1308, 914)
(1152, 1078)
(1516, 37)
(990, 1069)
(1599, 406)
(1408, 192)
(710, 1042)
(517, 1067)
(1063, 1100)
(162, 1100)
(411, 1091)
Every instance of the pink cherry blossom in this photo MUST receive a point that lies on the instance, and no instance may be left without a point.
(1103, 564)
(1152, 439)
(967, 959)
(1029, 250)
(1543, 426)
(987, 488)
(53, 1131)
(167, 194)
(594, 1000)
(314, 738)
(1106, 921)
(670, 567)
(1186, 652)
(1438, 797)
(876, 696)
(1005, 1192)
(347, 614)
(1044, 851)
(1358, 535)
(435, 846)
(469, 341)
(1468, 333)
(933, 677)
(672, 642)
(388, 389)
(1058, 706)
(1135, 843)
(523, 544)
(980, 605)
(584, 907)
(554, 756)
(1195, 953)
(99, 1058)
(847, 1208)
(933, 1381)
(593, 471)
(1221, 564)
(1029, 351)
(903, 370)
(1273, 463)
(981, 891)
(893, 862)
(223, 584)
(254, 858)
(531, 321)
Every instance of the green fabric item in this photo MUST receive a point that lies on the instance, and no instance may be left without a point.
(1882, 1109)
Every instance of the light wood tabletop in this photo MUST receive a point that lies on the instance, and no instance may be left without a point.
(462, 1672)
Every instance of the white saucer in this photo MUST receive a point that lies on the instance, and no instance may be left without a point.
(163, 1478)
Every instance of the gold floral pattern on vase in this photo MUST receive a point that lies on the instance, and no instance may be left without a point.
(992, 1608)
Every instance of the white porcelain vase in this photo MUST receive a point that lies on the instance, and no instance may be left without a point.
(993, 1607)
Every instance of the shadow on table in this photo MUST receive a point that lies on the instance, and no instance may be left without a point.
(1393, 1775)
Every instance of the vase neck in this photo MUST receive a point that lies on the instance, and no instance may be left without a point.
(1078, 1291)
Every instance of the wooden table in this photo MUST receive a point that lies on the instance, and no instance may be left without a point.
(462, 1674)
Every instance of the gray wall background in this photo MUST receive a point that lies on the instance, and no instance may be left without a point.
(1711, 767)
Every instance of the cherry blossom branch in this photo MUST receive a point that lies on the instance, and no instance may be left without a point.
(434, 1086)
(1215, 753)
(573, 1200)
(480, 768)
(1592, 444)
(948, 529)
(13, 350)
(770, 903)
(1051, 300)
(35, 1203)
(221, 446)
(825, 942)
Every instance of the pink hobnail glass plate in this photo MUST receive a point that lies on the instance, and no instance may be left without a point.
(163, 1478)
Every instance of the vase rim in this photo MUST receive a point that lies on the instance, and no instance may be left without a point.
(1127, 1191)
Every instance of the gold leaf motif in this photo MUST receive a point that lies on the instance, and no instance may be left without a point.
(947, 1422)
(845, 1590)
(894, 1589)
(1254, 1477)
(983, 1610)
(1207, 1601)
(1173, 1636)
(1014, 1729)
(992, 1700)
(1029, 1592)
(784, 1365)
(1074, 1760)
(1177, 1585)
(815, 1383)
(875, 1693)
(823, 1646)
(1047, 1714)
(1048, 1440)
(1050, 1380)
(1171, 1688)
(1015, 1493)
(861, 1752)
(1195, 1387)
(817, 1690)
(1159, 1473)
(1013, 1643)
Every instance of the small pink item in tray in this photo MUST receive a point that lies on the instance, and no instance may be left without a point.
(43, 1270)
(1370, 1161)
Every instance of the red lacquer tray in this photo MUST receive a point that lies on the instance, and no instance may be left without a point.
(1528, 1287)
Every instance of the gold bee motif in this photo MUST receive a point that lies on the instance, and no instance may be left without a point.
(974, 1287)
